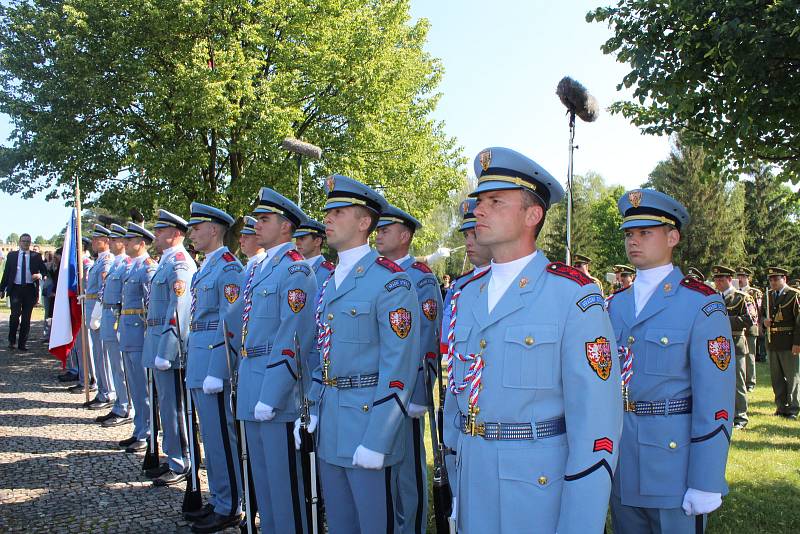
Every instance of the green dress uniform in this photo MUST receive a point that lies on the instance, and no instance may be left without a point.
(784, 368)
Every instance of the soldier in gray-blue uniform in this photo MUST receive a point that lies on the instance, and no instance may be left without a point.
(169, 294)
(480, 257)
(214, 289)
(675, 349)
(368, 322)
(111, 301)
(132, 325)
(277, 304)
(248, 242)
(531, 370)
(395, 232)
(308, 240)
(75, 359)
(95, 281)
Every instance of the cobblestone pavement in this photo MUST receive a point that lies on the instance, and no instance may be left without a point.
(59, 470)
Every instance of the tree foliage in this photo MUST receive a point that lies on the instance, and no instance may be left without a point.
(715, 232)
(160, 103)
(722, 72)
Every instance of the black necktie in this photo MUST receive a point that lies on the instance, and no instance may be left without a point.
(24, 277)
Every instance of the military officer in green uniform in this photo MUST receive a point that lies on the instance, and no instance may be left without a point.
(625, 275)
(697, 274)
(743, 274)
(581, 263)
(742, 315)
(781, 312)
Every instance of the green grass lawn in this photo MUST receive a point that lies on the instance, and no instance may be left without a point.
(763, 471)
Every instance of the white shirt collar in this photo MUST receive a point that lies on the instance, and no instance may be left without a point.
(257, 257)
(167, 253)
(404, 259)
(210, 256)
(646, 282)
(312, 259)
(502, 275)
(347, 260)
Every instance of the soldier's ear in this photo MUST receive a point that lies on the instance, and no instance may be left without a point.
(534, 215)
(673, 237)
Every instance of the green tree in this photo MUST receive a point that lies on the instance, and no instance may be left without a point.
(40, 240)
(771, 224)
(722, 72)
(714, 234)
(13, 237)
(157, 104)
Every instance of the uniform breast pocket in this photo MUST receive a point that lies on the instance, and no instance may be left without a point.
(206, 296)
(353, 323)
(158, 290)
(666, 351)
(265, 301)
(529, 356)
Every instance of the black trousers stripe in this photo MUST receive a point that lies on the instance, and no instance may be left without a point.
(418, 475)
(292, 457)
(389, 502)
(226, 445)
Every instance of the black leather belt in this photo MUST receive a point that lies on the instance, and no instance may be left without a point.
(200, 326)
(155, 322)
(350, 382)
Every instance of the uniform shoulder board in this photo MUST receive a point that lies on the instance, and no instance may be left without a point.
(418, 265)
(150, 261)
(294, 255)
(697, 285)
(476, 277)
(179, 256)
(228, 257)
(328, 265)
(388, 264)
(562, 269)
(128, 260)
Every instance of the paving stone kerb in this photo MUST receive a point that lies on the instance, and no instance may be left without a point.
(59, 470)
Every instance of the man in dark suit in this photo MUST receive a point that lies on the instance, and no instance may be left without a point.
(21, 275)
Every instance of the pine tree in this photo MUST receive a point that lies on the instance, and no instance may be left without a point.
(713, 234)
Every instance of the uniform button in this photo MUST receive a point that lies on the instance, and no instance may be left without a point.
(664, 340)
(365, 408)
(353, 312)
(330, 317)
(529, 341)
(135, 324)
(631, 339)
(480, 386)
(211, 346)
(673, 445)
(542, 480)
(483, 343)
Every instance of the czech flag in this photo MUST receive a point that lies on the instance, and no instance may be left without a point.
(66, 310)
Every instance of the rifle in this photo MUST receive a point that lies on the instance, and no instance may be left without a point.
(766, 296)
(248, 491)
(442, 493)
(308, 454)
(192, 498)
(151, 455)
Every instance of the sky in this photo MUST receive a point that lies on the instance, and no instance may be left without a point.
(502, 62)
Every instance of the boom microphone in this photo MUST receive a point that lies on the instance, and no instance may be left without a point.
(136, 215)
(577, 100)
(302, 148)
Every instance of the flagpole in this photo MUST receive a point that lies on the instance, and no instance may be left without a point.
(79, 248)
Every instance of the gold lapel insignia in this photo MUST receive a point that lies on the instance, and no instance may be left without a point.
(667, 287)
(359, 269)
(523, 282)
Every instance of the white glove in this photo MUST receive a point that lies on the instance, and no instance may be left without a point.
(263, 412)
(368, 459)
(97, 314)
(440, 254)
(81, 298)
(162, 364)
(697, 502)
(212, 385)
(416, 410)
(312, 426)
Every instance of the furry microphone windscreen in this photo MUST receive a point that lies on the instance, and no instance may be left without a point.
(575, 97)
(302, 148)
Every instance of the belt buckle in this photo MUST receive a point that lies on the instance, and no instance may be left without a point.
(629, 406)
(330, 382)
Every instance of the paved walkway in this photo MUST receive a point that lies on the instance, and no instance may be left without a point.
(59, 470)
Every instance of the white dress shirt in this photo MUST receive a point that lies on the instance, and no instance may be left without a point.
(646, 282)
(502, 275)
(348, 260)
